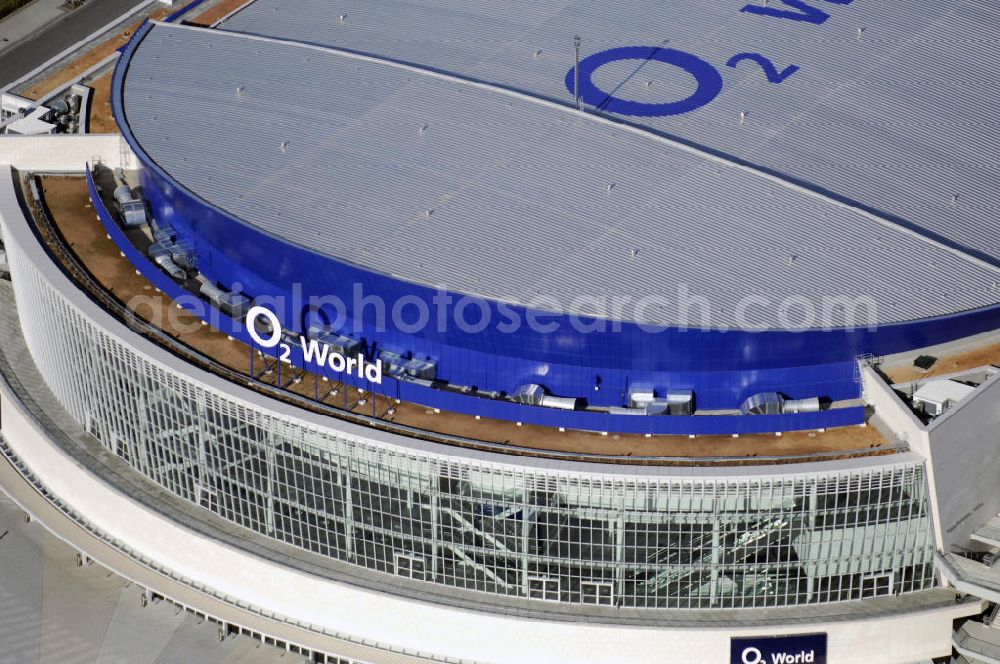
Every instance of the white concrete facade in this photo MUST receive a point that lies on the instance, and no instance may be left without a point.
(964, 446)
(904, 425)
(962, 449)
(63, 153)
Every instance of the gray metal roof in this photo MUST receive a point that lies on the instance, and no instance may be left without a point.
(942, 391)
(852, 148)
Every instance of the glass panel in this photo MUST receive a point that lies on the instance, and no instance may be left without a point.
(490, 527)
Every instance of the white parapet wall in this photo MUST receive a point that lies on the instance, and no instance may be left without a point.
(897, 417)
(64, 153)
(891, 410)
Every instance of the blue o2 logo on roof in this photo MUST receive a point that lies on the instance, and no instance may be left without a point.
(707, 77)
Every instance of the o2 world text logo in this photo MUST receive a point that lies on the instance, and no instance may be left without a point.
(312, 350)
(709, 80)
(791, 649)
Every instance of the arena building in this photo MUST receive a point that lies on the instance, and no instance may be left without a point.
(439, 331)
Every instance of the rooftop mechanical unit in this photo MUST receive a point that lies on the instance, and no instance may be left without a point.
(235, 305)
(338, 343)
(763, 403)
(134, 213)
(676, 402)
(162, 255)
(810, 405)
(937, 396)
(164, 234)
(533, 394)
(398, 366)
(772, 403)
(133, 210)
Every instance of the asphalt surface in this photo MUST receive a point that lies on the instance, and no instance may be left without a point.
(59, 35)
(26, 20)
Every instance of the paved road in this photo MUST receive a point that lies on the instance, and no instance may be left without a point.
(63, 33)
(28, 19)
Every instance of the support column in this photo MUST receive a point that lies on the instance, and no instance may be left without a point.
(811, 521)
(525, 534)
(716, 560)
(619, 533)
(435, 539)
(203, 474)
(269, 462)
(344, 478)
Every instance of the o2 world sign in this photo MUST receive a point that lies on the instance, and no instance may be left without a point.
(708, 79)
(312, 350)
(791, 649)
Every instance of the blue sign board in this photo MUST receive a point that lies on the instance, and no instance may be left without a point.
(791, 649)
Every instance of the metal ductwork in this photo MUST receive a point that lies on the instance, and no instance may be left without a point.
(123, 194)
(398, 366)
(676, 402)
(763, 403)
(562, 403)
(679, 402)
(810, 405)
(534, 395)
(134, 214)
(530, 394)
(160, 254)
(235, 305)
(338, 343)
